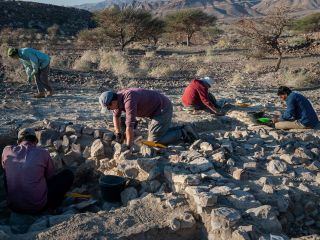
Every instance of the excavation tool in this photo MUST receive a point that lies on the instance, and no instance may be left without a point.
(78, 195)
(153, 144)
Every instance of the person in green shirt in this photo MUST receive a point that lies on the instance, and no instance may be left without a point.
(37, 65)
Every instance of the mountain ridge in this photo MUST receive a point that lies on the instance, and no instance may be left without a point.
(219, 8)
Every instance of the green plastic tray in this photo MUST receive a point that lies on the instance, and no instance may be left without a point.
(264, 120)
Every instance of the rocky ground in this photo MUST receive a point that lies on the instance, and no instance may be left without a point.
(239, 181)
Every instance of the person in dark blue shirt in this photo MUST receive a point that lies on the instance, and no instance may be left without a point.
(299, 114)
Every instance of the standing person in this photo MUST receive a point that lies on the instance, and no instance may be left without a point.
(36, 64)
(299, 113)
(138, 102)
(197, 97)
(30, 183)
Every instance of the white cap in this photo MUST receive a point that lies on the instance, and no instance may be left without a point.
(208, 80)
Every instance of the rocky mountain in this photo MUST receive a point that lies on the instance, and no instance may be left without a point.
(219, 8)
(20, 14)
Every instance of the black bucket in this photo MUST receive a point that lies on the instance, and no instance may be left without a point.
(111, 187)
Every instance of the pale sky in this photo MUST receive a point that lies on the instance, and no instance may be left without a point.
(65, 2)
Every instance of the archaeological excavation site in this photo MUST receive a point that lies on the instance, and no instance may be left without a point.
(160, 120)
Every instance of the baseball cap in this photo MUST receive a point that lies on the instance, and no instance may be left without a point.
(208, 80)
(105, 100)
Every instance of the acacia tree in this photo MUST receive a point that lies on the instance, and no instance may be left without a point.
(265, 33)
(155, 30)
(307, 24)
(125, 26)
(188, 22)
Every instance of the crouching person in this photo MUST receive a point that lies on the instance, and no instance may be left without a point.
(299, 113)
(138, 102)
(30, 183)
(197, 97)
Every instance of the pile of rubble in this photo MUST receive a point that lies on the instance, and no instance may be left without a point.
(250, 182)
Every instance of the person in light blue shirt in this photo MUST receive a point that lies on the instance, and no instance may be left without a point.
(37, 65)
(299, 114)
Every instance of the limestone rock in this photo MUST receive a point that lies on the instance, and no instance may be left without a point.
(97, 149)
(224, 218)
(291, 159)
(276, 166)
(200, 164)
(206, 147)
(57, 160)
(219, 157)
(87, 131)
(240, 174)
(129, 168)
(196, 144)
(266, 218)
(47, 137)
(57, 144)
(74, 129)
(128, 194)
(206, 199)
(187, 221)
(65, 143)
(72, 158)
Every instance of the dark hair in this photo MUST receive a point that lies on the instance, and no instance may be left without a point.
(283, 90)
(114, 97)
(29, 138)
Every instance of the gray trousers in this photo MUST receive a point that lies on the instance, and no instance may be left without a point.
(160, 130)
(42, 80)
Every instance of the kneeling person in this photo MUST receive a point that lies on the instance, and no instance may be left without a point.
(197, 97)
(30, 182)
(299, 113)
(138, 102)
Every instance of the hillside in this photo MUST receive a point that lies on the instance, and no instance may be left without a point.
(219, 8)
(18, 14)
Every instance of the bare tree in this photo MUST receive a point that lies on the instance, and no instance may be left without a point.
(266, 32)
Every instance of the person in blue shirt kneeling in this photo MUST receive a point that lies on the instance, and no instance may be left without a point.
(299, 114)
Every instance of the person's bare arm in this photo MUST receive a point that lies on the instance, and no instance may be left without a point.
(116, 124)
(129, 136)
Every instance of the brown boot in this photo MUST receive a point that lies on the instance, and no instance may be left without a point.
(40, 95)
(49, 93)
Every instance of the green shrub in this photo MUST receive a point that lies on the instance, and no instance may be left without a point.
(310, 23)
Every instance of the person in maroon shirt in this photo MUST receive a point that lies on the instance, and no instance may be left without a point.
(138, 102)
(30, 183)
(197, 96)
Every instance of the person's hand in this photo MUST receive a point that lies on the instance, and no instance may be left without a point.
(119, 137)
(275, 119)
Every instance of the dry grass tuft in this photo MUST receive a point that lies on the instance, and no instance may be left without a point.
(253, 68)
(13, 69)
(87, 61)
(201, 72)
(115, 62)
(162, 71)
(300, 79)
